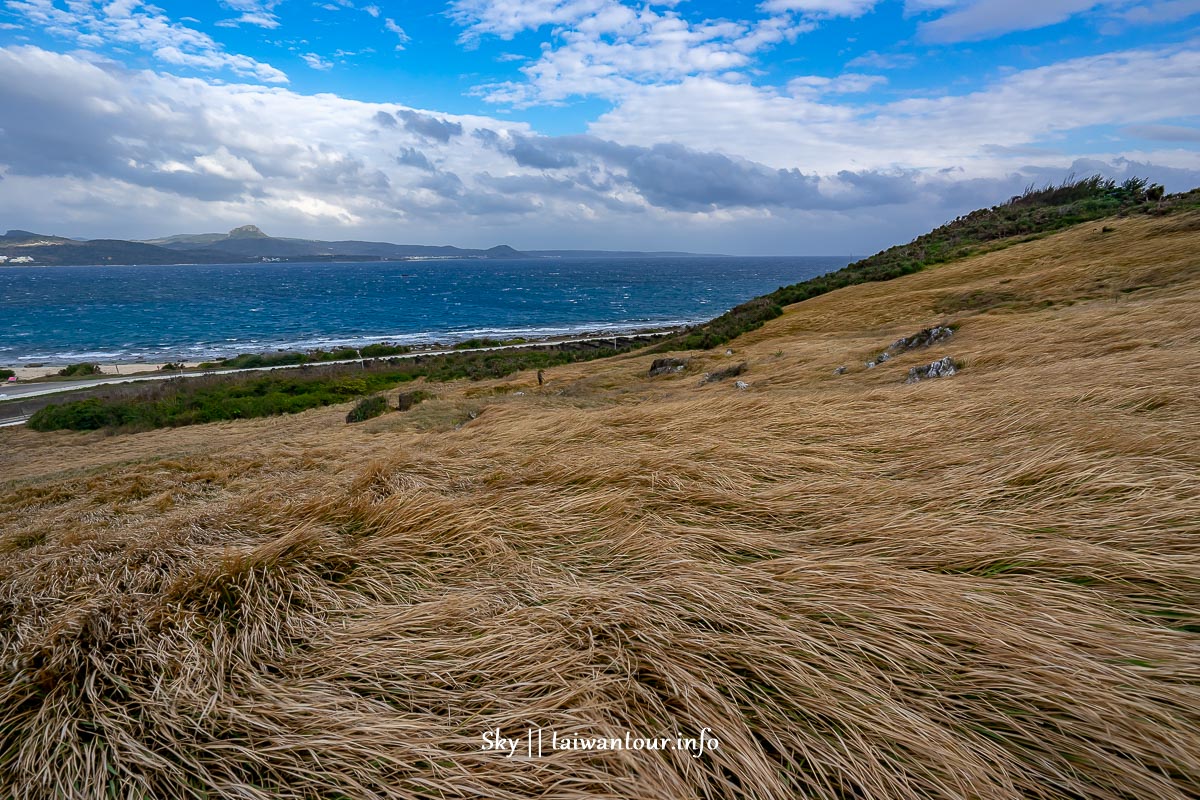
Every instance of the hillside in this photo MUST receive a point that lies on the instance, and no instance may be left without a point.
(982, 586)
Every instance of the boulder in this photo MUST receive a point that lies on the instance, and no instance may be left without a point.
(665, 366)
(942, 368)
(728, 372)
(742, 385)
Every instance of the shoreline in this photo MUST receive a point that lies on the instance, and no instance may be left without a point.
(48, 369)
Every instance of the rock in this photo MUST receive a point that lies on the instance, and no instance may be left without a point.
(742, 385)
(840, 371)
(664, 366)
(729, 352)
(942, 368)
(923, 338)
(728, 372)
(518, 394)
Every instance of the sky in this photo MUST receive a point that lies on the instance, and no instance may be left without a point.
(801, 127)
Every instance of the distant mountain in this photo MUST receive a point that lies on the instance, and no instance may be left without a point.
(249, 244)
(249, 241)
(19, 237)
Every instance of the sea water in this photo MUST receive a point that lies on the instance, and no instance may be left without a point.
(197, 312)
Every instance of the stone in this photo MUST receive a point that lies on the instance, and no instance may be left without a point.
(665, 366)
(728, 372)
(942, 368)
(742, 385)
(840, 371)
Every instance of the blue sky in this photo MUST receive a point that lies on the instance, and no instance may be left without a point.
(782, 126)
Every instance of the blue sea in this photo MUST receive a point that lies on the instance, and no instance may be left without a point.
(156, 313)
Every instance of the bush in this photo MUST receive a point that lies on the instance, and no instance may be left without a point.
(383, 349)
(367, 408)
(5, 374)
(79, 370)
(471, 344)
(406, 400)
(171, 366)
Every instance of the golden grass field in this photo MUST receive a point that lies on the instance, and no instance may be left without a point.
(984, 586)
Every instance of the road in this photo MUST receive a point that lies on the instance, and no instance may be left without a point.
(19, 391)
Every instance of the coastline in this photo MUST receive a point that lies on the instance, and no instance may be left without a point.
(48, 369)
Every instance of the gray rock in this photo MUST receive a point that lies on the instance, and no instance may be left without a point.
(742, 385)
(870, 365)
(840, 371)
(665, 366)
(942, 368)
(728, 372)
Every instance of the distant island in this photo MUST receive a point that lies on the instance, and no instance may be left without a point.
(249, 244)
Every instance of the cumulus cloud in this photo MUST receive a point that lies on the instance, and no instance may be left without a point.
(97, 147)
(132, 22)
(813, 132)
(609, 48)
(430, 127)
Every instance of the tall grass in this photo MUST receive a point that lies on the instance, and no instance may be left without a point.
(984, 586)
(1036, 212)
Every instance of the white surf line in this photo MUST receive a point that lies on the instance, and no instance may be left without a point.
(72, 387)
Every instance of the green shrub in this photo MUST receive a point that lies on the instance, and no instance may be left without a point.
(383, 349)
(472, 344)
(79, 370)
(367, 408)
(5, 374)
(406, 400)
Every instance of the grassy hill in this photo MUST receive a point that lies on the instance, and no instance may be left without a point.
(979, 586)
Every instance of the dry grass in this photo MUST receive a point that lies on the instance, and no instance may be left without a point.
(985, 586)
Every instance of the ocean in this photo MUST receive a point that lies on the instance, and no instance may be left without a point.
(195, 312)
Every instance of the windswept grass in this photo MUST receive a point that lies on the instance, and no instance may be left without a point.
(1035, 213)
(984, 586)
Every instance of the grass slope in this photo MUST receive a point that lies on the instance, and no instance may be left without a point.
(984, 586)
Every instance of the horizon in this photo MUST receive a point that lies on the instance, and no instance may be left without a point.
(780, 128)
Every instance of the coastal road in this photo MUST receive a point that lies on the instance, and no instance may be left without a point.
(18, 391)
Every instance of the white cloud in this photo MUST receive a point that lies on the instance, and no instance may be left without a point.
(812, 133)
(971, 20)
(91, 24)
(982, 19)
(316, 62)
(390, 25)
(828, 8)
(609, 49)
(105, 151)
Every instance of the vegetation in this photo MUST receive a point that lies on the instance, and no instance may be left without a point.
(368, 408)
(224, 397)
(476, 343)
(296, 358)
(5, 374)
(983, 587)
(1036, 212)
(79, 370)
